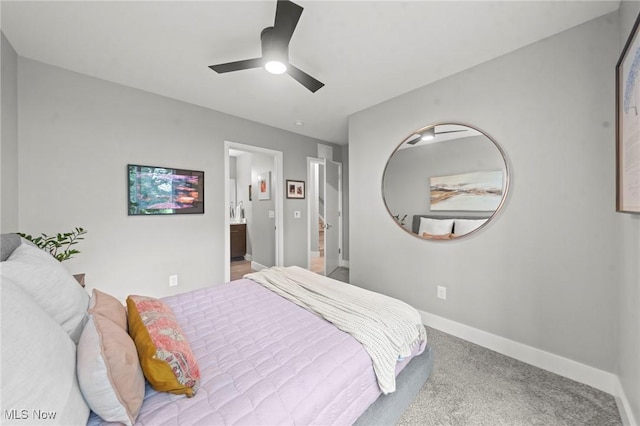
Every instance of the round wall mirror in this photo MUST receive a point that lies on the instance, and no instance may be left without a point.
(445, 181)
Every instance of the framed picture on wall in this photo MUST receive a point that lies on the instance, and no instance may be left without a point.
(295, 189)
(155, 190)
(264, 186)
(628, 125)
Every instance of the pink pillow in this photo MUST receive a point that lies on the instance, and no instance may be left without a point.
(108, 306)
(108, 369)
(164, 352)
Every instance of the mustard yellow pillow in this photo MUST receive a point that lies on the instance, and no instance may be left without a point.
(164, 352)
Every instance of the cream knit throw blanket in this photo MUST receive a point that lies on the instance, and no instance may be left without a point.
(387, 328)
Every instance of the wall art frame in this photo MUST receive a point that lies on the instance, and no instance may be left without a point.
(628, 125)
(264, 186)
(156, 190)
(295, 189)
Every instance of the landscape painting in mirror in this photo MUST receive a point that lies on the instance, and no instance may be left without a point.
(474, 191)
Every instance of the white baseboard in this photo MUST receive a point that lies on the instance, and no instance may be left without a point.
(257, 267)
(248, 257)
(537, 357)
(626, 415)
(344, 263)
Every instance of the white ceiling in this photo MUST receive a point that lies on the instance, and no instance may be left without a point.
(364, 51)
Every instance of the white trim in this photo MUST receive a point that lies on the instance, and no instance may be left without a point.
(626, 415)
(277, 190)
(566, 367)
(340, 224)
(257, 267)
(344, 263)
(248, 256)
(227, 226)
(310, 181)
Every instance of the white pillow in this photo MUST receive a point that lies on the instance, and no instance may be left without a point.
(435, 226)
(464, 226)
(109, 372)
(50, 285)
(39, 384)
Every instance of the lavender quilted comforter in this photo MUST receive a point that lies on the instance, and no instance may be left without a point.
(263, 361)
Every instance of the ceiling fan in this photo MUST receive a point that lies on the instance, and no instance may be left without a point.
(428, 134)
(275, 48)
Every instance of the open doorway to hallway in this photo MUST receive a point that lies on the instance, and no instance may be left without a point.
(324, 206)
(253, 209)
(317, 255)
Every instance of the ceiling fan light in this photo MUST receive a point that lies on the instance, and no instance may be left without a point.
(429, 134)
(275, 67)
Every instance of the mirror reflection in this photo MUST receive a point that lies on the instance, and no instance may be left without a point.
(445, 181)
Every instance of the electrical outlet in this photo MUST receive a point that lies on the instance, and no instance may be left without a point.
(296, 214)
(173, 280)
(442, 292)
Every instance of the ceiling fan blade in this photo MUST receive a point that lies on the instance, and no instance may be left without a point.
(237, 65)
(287, 16)
(413, 139)
(303, 78)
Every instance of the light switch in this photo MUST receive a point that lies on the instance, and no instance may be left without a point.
(272, 214)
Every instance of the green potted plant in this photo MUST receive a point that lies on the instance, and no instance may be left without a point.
(61, 245)
(399, 219)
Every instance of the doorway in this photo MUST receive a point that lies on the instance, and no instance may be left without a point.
(324, 218)
(257, 213)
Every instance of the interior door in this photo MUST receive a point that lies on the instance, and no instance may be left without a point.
(332, 216)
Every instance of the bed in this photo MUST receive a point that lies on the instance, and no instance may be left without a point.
(261, 358)
(444, 227)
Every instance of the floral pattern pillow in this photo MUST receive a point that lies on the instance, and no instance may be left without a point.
(165, 355)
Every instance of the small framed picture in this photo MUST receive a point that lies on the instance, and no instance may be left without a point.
(264, 186)
(295, 189)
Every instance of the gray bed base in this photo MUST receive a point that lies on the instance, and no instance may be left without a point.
(388, 409)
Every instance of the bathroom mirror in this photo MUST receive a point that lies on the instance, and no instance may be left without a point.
(445, 181)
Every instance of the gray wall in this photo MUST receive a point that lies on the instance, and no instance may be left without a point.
(9, 144)
(232, 168)
(629, 253)
(77, 133)
(262, 228)
(544, 271)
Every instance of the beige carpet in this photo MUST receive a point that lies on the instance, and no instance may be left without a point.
(472, 385)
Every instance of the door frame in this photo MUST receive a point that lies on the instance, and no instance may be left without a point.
(276, 190)
(322, 161)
